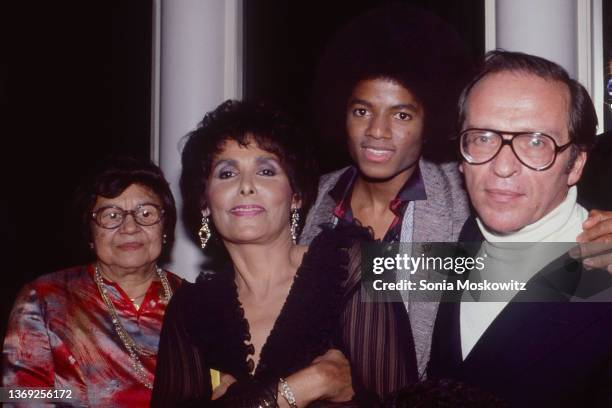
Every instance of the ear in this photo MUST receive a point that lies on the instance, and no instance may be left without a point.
(461, 167)
(576, 171)
(296, 201)
(205, 212)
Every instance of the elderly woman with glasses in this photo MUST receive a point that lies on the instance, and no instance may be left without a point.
(91, 332)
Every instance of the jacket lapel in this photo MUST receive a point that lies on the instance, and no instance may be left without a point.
(437, 219)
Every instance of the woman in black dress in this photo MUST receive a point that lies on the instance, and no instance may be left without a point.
(267, 321)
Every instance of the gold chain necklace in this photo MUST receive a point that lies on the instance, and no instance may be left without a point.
(130, 345)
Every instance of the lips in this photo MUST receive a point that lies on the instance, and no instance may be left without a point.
(503, 195)
(377, 154)
(246, 210)
(130, 246)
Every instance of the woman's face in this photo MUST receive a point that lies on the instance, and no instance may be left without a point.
(249, 196)
(129, 246)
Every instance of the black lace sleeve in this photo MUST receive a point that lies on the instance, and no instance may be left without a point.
(181, 377)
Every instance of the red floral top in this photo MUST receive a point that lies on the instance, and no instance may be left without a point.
(60, 335)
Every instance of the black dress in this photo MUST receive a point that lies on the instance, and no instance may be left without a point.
(205, 328)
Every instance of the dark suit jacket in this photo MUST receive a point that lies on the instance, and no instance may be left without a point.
(556, 353)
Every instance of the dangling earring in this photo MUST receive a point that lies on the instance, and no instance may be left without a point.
(204, 232)
(164, 239)
(295, 224)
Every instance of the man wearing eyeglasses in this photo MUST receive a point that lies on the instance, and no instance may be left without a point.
(526, 132)
(547, 125)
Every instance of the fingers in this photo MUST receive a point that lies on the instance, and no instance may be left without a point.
(226, 381)
(599, 262)
(219, 392)
(335, 370)
(589, 249)
(597, 227)
(594, 255)
(330, 355)
(595, 241)
(594, 217)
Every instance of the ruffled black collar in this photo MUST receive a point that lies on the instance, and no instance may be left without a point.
(305, 328)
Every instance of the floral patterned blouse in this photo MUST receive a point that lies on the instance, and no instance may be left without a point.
(60, 335)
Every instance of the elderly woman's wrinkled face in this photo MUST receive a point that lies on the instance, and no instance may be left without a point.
(129, 246)
(249, 195)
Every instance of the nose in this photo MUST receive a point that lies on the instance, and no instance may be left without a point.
(129, 224)
(505, 164)
(247, 187)
(378, 127)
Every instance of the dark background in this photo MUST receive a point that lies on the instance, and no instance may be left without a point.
(607, 60)
(75, 87)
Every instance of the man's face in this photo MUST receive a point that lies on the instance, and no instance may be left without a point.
(506, 194)
(384, 122)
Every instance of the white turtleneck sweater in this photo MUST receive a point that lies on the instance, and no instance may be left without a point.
(506, 259)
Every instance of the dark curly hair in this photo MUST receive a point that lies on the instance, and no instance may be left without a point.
(112, 177)
(404, 44)
(244, 122)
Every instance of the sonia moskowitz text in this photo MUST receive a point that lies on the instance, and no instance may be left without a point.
(424, 285)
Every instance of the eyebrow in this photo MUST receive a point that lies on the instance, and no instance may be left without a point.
(120, 207)
(549, 132)
(408, 106)
(230, 162)
(266, 160)
(258, 160)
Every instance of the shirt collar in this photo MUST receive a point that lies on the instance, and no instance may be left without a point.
(412, 190)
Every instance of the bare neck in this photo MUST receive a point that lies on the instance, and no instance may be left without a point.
(262, 267)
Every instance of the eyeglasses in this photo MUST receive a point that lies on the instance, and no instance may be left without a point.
(537, 151)
(111, 216)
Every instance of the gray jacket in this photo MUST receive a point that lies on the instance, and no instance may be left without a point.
(437, 219)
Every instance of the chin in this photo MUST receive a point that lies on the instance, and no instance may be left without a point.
(502, 225)
(133, 265)
(377, 172)
(245, 236)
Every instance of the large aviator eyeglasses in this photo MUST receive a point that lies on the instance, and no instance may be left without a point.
(111, 216)
(537, 151)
